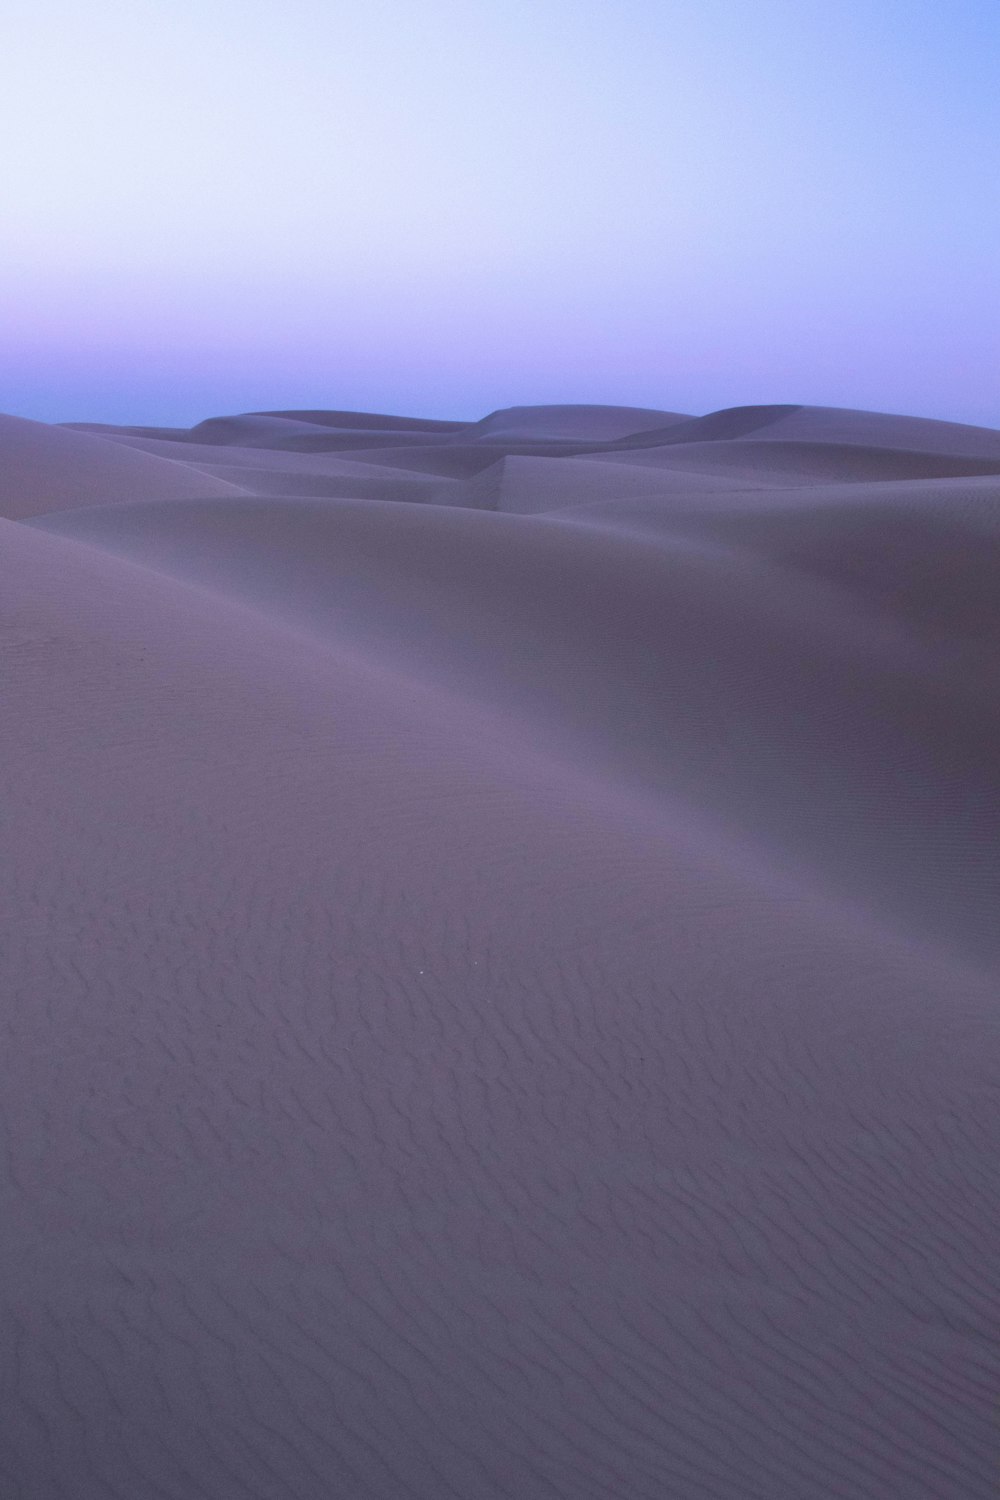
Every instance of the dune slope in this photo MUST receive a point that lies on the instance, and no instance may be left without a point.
(46, 468)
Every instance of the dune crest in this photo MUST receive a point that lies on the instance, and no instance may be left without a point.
(45, 468)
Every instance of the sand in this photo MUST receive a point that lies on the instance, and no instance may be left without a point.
(501, 957)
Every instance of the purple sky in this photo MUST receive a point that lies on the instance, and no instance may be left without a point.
(447, 207)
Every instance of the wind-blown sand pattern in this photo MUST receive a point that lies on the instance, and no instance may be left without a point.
(500, 978)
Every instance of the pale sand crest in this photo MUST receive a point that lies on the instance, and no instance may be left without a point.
(501, 962)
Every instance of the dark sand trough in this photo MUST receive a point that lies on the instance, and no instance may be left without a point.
(500, 985)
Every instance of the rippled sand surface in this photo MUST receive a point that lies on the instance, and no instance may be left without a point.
(501, 951)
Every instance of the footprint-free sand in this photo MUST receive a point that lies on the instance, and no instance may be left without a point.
(501, 968)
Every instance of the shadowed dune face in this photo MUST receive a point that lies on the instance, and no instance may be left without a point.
(501, 989)
(834, 733)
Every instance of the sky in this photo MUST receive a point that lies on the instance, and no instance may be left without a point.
(441, 207)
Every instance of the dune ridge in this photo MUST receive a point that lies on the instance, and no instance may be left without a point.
(503, 963)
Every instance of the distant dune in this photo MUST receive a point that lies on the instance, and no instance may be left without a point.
(46, 468)
(502, 963)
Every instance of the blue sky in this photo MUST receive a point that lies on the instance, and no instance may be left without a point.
(444, 207)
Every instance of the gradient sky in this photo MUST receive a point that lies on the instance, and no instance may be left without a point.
(446, 206)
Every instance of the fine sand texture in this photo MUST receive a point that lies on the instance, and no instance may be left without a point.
(501, 959)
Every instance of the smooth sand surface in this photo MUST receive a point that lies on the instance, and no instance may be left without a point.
(501, 957)
(45, 468)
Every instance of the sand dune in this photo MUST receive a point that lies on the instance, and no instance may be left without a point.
(587, 424)
(46, 468)
(501, 985)
(530, 486)
(821, 424)
(774, 462)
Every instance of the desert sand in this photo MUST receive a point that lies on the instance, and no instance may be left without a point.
(500, 975)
